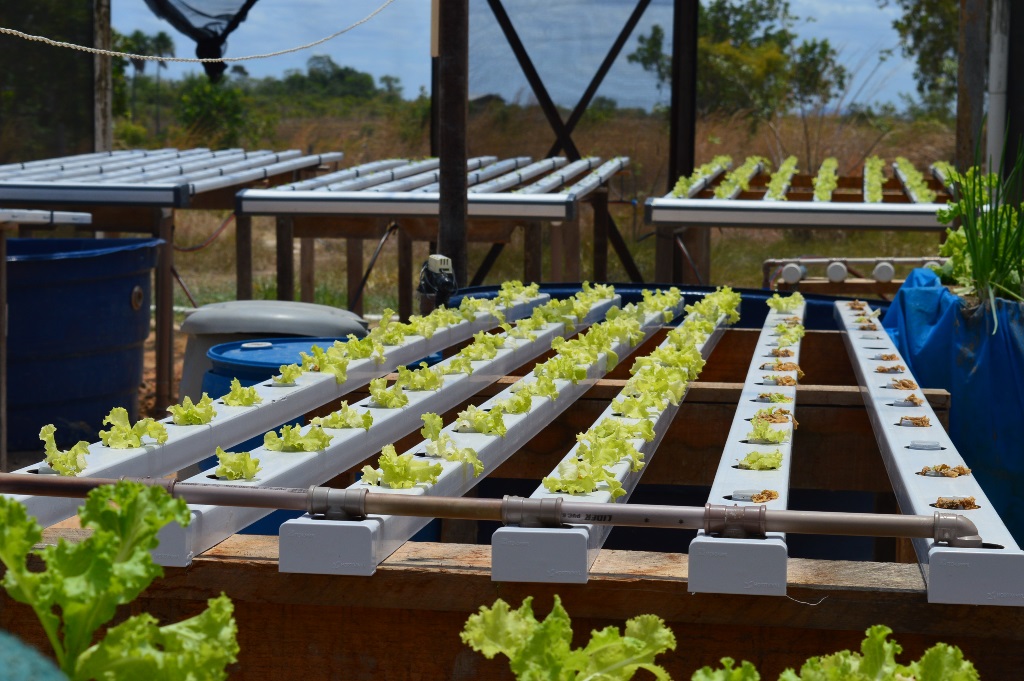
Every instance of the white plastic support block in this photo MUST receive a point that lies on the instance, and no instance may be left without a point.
(212, 524)
(187, 445)
(318, 546)
(991, 575)
(566, 554)
(754, 566)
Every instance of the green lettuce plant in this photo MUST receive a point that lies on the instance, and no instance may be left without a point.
(83, 584)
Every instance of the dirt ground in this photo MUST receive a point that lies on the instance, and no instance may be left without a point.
(147, 389)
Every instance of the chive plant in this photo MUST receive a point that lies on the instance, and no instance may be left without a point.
(990, 239)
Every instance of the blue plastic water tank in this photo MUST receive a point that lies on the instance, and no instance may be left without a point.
(78, 321)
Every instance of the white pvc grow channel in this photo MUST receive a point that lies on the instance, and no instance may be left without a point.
(750, 565)
(565, 555)
(991, 575)
(213, 524)
(62, 172)
(76, 160)
(188, 169)
(320, 546)
(188, 444)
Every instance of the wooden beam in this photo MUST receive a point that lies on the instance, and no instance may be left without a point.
(404, 622)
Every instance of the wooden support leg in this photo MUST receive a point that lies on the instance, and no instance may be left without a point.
(599, 203)
(354, 271)
(557, 244)
(164, 229)
(243, 257)
(285, 259)
(665, 247)
(533, 252)
(307, 270)
(572, 250)
(404, 274)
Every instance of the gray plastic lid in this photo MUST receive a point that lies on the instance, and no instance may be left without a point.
(274, 317)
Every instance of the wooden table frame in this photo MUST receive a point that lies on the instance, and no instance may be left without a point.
(157, 220)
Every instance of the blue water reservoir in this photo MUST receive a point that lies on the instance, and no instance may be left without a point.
(78, 321)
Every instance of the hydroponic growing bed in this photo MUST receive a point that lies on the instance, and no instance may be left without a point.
(750, 195)
(532, 403)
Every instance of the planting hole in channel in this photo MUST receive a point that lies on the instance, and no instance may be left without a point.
(925, 445)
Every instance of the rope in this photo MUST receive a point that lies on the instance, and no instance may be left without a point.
(186, 60)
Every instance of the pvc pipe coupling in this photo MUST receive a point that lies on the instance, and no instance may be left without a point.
(736, 522)
(337, 504)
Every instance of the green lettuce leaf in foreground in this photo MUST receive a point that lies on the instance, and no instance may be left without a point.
(542, 650)
(84, 583)
(197, 649)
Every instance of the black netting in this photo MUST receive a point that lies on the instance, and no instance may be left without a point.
(56, 120)
(208, 22)
(567, 42)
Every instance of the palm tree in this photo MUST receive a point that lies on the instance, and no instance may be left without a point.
(160, 45)
(137, 43)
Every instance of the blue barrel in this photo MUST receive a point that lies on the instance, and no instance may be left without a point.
(78, 321)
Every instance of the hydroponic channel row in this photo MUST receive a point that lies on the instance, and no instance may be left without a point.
(755, 464)
(927, 473)
(606, 463)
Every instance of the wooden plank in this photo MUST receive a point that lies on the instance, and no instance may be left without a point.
(403, 623)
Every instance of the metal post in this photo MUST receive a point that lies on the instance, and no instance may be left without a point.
(1015, 80)
(453, 25)
(682, 134)
(997, 72)
(683, 122)
(970, 81)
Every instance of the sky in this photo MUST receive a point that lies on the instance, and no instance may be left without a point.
(567, 39)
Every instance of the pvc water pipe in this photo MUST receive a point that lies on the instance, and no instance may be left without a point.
(956, 530)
